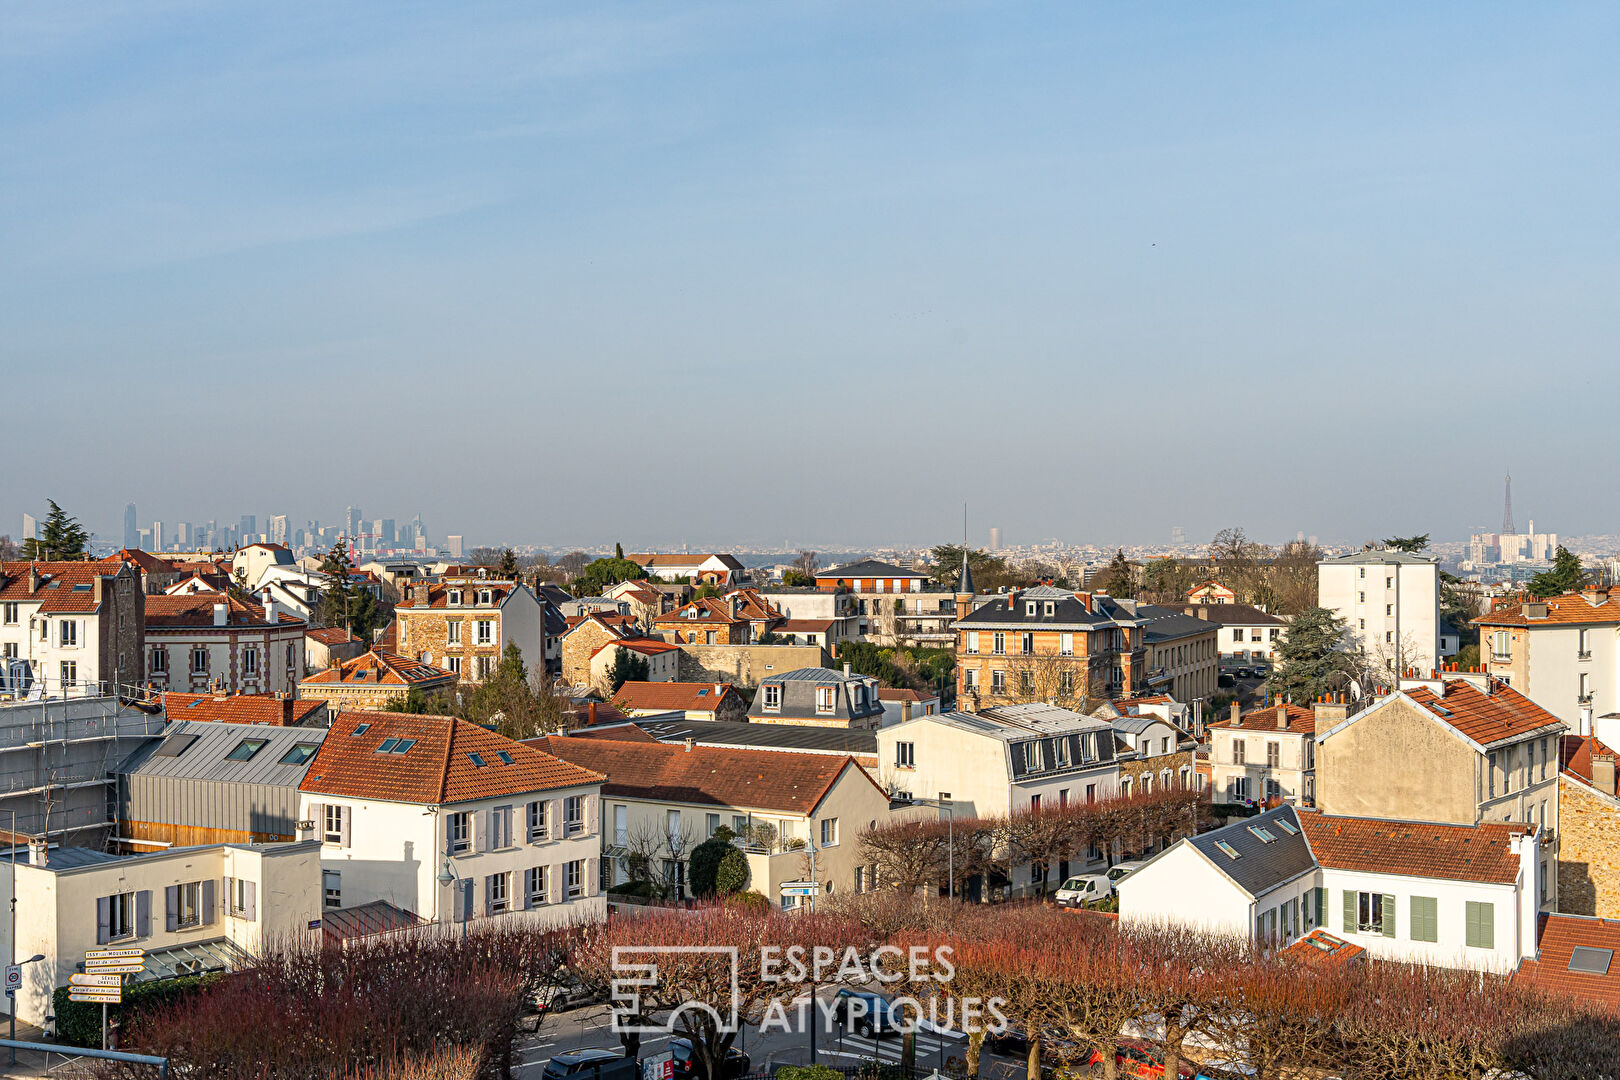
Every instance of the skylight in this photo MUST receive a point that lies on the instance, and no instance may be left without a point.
(175, 745)
(404, 745)
(476, 760)
(300, 753)
(245, 750)
(504, 756)
(1590, 961)
(1227, 849)
(1265, 835)
(1287, 827)
(387, 746)
(360, 729)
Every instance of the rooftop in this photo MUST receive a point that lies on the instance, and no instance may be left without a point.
(1301, 721)
(763, 736)
(671, 696)
(1570, 609)
(867, 568)
(1383, 556)
(1575, 956)
(1480, 853)
(1258, 853)
(197, 610)
(1487, 715)
(240, 708)
(228, 753)
(379, 667)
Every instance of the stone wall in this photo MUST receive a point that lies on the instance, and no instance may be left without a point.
(746, 665)
(1588, 851)
(578, 646)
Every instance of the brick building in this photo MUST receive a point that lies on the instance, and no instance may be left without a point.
(707, 621)
(464, 624)
(372, 679)
(215, 641)
(71, 628)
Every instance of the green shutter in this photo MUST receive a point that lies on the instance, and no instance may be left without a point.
(1386, 916)
(1425, 919)
(1321, 908)
(1349, 912)
(1481, 925)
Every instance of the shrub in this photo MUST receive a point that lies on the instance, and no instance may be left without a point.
(78, 1023)
(732, 875)
(808, 1072)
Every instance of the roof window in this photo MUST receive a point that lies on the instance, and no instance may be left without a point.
(387, 746)
(1287, 827)
(1263, 834)
(245, 750)
(175, 745)
(300, 753)
(360, 729)
(506, 759)
(477, 760)
(1227, 849)
(1590, 961)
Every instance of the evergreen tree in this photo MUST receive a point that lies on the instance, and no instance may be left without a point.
(1119, 580)
(61, 538)
(343, 603)
(618, 550)
(626, 667)
(602, 573)
(508, 569)
(1566, 575)
(1310, 661)
(1409, 544)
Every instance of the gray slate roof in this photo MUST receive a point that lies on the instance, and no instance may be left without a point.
(205, 757)
(1383, 555)
(827, 740)
(869, 568)
(1068, 613)
(1260, 866)
(1166, 624)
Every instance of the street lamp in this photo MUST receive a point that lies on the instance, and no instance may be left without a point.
(448, 877)
(950, 835)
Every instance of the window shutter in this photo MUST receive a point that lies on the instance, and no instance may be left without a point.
(554, 818)
(103, 919)
(1321, 907)
(466, 901)
(593, 876)
(143, 913)
(345, 819)
(528, 880)
(556, 887)
(479, 823)
(1386, 917)
(1481, 925)
(206, 889)
(1349, 912)
(592, 812)
(317, 814)
(250, 898)
(489, 894)
(171, 908)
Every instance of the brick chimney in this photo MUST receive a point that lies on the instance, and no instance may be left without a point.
(33, 578)
(905, 710)
(1084, 598)
(1603, 773)
(590, 714)
(1282, 718)
(1237, 714)
(286, 708)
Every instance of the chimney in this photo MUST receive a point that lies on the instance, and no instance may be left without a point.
(1282, 718)
(1602, 774)
(1586, 720)
(272, 611)
(1237, 714)
(221, 614)
(846, 670)
(905, 710)
(1331, 708)
(590, 714)
(719, 690)
(1084, 598)
(33, 578)
(39, 850)
(690, 743)
(1012, 599)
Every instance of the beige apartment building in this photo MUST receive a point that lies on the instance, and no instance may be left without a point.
(463, 625)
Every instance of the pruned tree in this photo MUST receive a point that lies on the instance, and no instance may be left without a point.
(1294, 577)
(807, 564)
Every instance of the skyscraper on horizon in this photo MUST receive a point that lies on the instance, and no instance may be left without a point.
(1507, 506)
(132, 528)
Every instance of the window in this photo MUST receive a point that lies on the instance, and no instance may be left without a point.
(574, 878)
(1060, 747)
(460, 832)
(484, 596)
(239, 894)
(453, 664)
(1240, 788)
(1584, 693)
(1425, 919)
(186, 904)
(453, 632)
(1389, 609)
(250, 661)
(500, 828)
(118, 917)
(1273, 754)
(1361, 597)
(1239, 752)
(1032, 756)
(497, 889)
(70, 673)
(534, 885)
(1026, 682)
(331, 888)
(245, 750)
(1490, 770)
(1147, 783)
(1066, 681)
(905, 755)
(1237, 636)
(158, 662)
(486, 631)
(1091, 793)
(199, 660)
(998, 644)
(332, 820)
(829, 832)
(70, 631)
(299, 753)
(998, 682)
(1499, 645)
(1164, 745)
(824, 699)
(773, 697)
(972, 645)
(1027, 644)
(1066, 645)
(970, 678)
(485, 665)
(1228, 850)
(1375, 913)
(1035, 804)
(1480, 923)
(8, 613)
(1583, 645)
(573, 815)
(454, 597)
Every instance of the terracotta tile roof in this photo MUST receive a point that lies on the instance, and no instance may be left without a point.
(1156, 699)
(438, 595)
(64, 587)
(197, 609)
(1481, 853)
(619, 624)
(619, 732)
(645, 646)
(379, 667)
(1575, 755)
(668, 696)
(898, 693)
(1322, 949)
(436, 769)
(1569, 609)
(1301, 721)
(652, 559)
(1504, 713)
(709, 609)
(147, 563)
(776, 780)
(1557, 938)
(751, 605)
(803, 626)
(240, 709)
(331, 635)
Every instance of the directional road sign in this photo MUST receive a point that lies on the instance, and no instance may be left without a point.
(111, 954)
(112, 967)
(96, 994)
(96, 980)
(800, 888)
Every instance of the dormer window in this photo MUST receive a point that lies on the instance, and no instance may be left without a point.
(1032, 756)
(1050, 609)
(1029, 609)
(484, 596)
(454, 600)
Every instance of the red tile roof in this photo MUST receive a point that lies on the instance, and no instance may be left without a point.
(1322, 949)
(803, 626)
(1481, 853)
(147, 563)
(619, 624)
(645, 646)
(65, 587)
(1301, 721)
(379, 667)
(436, 769)
(1575, 755)
(331, 635)
(780, 781)
(895, 693)
(240, 709)
(709, 609)
(1504, 713)
(1557, 937)
(668, 696)
(1570, 609)
(438, 595)
(197, 610)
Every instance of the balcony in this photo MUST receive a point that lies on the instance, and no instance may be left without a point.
(1500, 657)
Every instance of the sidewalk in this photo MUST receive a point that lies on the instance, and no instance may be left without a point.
(31, 1063)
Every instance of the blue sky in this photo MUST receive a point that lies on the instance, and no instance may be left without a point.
(819, 272)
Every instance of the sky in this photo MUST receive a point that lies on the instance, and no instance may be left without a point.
(709, 273)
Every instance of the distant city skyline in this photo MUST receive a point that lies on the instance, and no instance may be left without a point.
(737, 271)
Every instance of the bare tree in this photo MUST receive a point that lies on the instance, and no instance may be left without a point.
(807, 563)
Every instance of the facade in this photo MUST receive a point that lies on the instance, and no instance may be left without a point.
(1154, 754)
(1390, 604)
(441, 818)
(707, 621)
(818, 697)
(374, 679)
(662, 658)
(1244, 634)
(642, 601)
(1048, 644)
(248, 563)
(325, 646)
(1211, 592)
(1563, 653)
(1183, 654)
(900, 705)
(70, 629)
(190, 908)
(464, 624)
(871, 577)
(694, 701)
(580, 643)
(662, 800)
(703, 569)
(1459, 896)
(1268, 753)
(214, 641)
(1588, 829)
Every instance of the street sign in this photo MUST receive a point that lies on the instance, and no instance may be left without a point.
(95, 980)
(800, 888)
(13, 977)
(96, 995)
(111, 954)
(112, 967)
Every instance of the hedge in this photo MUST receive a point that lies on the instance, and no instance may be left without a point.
(78, 1023)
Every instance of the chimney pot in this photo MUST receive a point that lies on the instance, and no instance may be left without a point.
(846, 670)
(39, 852)
(905, 710)
(1282, 718)
(690, 743)
(590, 713)
(1237, 713)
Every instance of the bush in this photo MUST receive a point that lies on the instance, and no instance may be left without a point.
(636, 888)
(78, 1023)
(808, 1072)
(731, 876)
(703, 867)
(750, 901)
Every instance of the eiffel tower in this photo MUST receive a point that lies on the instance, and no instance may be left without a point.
(1507, 508)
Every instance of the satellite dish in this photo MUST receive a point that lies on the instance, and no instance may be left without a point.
(1355, 690)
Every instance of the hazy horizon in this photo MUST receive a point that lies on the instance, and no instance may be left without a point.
(730, 272)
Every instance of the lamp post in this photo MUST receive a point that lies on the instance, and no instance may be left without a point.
(448, 877)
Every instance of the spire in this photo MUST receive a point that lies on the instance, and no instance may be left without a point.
(964, 584)
(1507, 506)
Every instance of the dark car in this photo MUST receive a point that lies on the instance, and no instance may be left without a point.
(687, 1065)
(1243, 672)
(1260, 671)
(1225, 679)
(870, 1014)
(592, 1065)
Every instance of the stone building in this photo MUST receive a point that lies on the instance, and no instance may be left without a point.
(70, 629)
(214, 641)
(373, 679)
(1588, 829)
(464, 624)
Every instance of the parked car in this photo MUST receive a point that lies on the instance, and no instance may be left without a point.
(1136, 1058)
(1084, 889)
(1013, 1041)
(566, 992)
(1119, 870)
(1243, 672)
(1225, 679)
(592, 1065)
(872, 1017)
(687, 1066)
(1260, 671)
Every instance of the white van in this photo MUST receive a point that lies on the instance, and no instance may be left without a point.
(1083, 890)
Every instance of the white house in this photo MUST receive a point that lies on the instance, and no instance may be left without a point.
(248, 563)
(1562, 652)
(192, 909)
(1463, 896)
(452, 822)
(69, 629)
(200, 641)
(1390, 604)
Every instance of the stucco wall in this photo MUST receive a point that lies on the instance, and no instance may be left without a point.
(746, 665)
(1395, 761)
